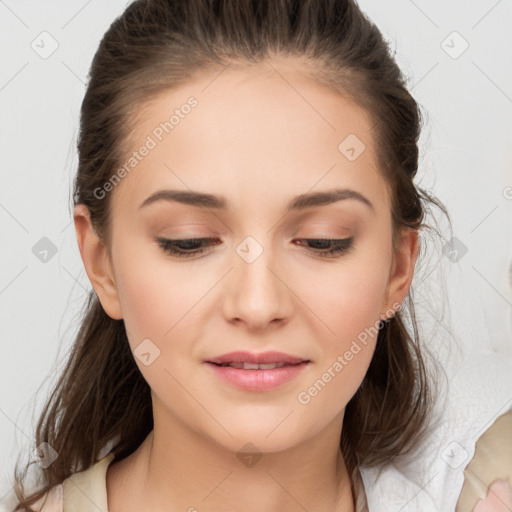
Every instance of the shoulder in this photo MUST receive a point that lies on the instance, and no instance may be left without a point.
(51, 501)
(478, 393)
(87, 490)
(488, 475)
(387, 488)
(84, 490)
(475, 395)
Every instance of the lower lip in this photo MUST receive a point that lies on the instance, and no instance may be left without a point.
(258, 380)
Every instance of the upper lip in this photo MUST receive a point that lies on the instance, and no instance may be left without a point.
(261, 358)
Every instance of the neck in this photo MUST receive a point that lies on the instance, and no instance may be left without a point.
(175, 468)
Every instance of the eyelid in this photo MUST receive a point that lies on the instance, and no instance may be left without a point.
(338, 246)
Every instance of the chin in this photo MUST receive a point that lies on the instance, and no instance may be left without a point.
(261, 438)
(258, 445)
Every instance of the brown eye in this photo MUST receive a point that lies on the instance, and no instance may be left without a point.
(320, 245)
(184, 248)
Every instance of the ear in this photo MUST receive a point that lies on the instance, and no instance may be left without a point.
(402, 268)
(97, 262)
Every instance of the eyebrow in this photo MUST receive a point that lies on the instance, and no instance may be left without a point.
(300, 202)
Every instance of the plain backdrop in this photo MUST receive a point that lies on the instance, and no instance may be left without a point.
(458, 59)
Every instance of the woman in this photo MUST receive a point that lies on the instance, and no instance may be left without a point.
(246, 213)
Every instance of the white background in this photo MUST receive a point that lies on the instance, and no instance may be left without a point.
(466, 160)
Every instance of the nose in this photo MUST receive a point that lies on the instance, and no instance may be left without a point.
(257, 291)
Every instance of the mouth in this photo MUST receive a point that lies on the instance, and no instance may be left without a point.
(256, 366)
(257, 372)
(254, 361)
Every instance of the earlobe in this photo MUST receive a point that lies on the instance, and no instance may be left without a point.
(402, 271)
(96, 262)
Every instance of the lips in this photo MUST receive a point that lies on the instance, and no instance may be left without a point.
(254, 361)
(253, 372)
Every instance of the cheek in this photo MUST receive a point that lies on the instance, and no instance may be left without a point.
(349, 301)
(158, 305)
(360, 301)
(328, 393)
(346, 299)
(155, 298)
(352, 313)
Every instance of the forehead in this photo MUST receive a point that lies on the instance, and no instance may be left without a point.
(253, 134)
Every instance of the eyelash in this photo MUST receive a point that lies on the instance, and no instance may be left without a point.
(341, 246)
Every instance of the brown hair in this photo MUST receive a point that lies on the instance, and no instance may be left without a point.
(101, 397)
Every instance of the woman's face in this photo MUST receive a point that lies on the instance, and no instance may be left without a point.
(255, 139)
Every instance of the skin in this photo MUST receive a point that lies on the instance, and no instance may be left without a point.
(258, 137)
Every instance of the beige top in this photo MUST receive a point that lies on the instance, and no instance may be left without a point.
(86, 491)
(487, 479)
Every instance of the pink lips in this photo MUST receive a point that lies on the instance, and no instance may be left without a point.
(257, 379)
(262, 358)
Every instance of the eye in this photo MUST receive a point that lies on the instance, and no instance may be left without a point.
(338, 246)
(183, 248)
(189, 247)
